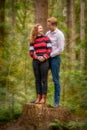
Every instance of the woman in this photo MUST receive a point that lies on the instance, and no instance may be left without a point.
(40, 49)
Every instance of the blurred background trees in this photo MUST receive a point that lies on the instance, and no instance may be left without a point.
(17, 17)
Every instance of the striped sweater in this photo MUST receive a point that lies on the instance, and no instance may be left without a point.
(41, 47)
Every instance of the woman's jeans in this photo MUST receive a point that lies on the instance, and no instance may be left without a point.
(55, 69)
(41, 73)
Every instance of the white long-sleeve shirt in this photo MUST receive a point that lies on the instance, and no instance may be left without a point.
(58, 41)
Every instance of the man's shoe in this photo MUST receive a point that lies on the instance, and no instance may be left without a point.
(56, 105)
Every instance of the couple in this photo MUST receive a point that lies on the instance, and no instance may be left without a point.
(45, 51)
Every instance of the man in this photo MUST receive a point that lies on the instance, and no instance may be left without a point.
(57, 38)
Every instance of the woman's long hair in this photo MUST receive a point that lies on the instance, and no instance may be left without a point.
(34, 33)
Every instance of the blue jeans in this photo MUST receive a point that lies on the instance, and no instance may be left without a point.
(55, 69)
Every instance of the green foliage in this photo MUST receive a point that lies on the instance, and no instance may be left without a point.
(16, 78)
(82, 125)
(56, 124)
(17, 85)
(7, 114)
(74, 88)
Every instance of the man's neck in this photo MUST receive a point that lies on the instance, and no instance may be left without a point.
(52, 30)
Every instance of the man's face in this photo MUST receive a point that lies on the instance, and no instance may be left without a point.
(50, 26)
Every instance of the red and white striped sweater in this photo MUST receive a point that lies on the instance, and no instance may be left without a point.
(41, 47)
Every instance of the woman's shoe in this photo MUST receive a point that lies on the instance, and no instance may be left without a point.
(38, 98)
(33, 101)
(43, 100)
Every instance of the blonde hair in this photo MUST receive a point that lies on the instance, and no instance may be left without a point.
(34, 33)
(53, 21)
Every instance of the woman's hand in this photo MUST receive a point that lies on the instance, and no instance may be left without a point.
(41, 58)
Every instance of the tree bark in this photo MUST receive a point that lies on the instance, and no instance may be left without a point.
(73, 30)
(68, 6)
(85, 60)
(70, 23)
(2, 21)
(82, 31)
(41, 12)
(12, 11)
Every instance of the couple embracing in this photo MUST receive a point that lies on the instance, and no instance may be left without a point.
(45, 51)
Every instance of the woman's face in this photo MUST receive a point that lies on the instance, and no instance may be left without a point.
(40, 30)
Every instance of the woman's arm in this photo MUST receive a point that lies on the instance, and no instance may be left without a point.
(32, 51)
(49, 48)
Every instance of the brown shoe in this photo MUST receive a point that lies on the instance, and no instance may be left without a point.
(38, 98)
(43, 100)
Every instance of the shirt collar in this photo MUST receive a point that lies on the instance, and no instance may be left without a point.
(53, 31)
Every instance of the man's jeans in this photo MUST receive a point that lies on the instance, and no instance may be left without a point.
(55, 69)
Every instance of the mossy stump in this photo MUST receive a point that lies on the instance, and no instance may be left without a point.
(38, 117)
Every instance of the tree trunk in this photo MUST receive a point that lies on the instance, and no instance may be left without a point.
(12, 11)
(2, 21)
(68, 4)
(85, 59)
(70, 23)
(82, 30)
(41, 12)
(73, 30)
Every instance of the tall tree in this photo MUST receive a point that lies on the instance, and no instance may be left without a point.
(70, 23)
(73, 30)
(85, 66)
(2, 20)
(68, 4)
(82, 30)
(41, 12)
(12, 11)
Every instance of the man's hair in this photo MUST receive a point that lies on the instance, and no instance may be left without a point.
(53, 21)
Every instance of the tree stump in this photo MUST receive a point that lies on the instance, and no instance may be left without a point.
(38, 117)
